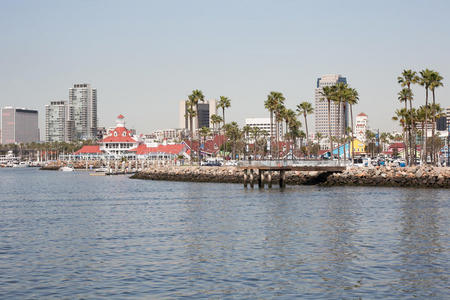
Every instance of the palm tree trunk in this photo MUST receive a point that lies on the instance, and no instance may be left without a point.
(307, 136)
(353, 137)
(426, 127)
(339, 131)
(271, 134)
(329, 130)
(433, 114)
(406, 137)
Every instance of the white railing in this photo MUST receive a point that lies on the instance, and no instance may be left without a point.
(294, 163)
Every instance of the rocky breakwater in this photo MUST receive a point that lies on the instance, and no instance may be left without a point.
(192, 174)
(222, 175)
(425, 176)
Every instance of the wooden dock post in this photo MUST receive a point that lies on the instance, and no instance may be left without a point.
(260, 178)
(251, 178)
(282, 178)
(245, 177)
(269, 179)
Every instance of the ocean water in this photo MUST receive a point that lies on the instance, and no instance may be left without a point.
(75, 236)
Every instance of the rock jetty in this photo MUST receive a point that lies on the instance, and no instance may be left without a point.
(425, 176)
(431, 177)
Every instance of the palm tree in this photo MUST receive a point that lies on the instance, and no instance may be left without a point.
(339, 99)
(215, 120)
(279, 117)
(271, 104)
(234, 134)
(224, 103)
(352, 98)
(319, 137)
(305, 108)
(328, 93)
(426, 80)
(246, 130)
(406, 95)
(436, 81)
(408, 77)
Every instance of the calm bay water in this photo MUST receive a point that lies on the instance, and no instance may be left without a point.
(71, 235)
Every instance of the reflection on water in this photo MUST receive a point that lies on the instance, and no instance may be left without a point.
(80, 236)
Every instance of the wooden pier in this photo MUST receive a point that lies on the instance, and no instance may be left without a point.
(263, 173)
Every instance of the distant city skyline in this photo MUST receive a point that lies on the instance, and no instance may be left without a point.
(147, 57)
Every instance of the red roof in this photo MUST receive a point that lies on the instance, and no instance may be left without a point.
(120, 117)
(89, 149)
(362, 115)
(119, 135)
(211, 146)
(168, 149)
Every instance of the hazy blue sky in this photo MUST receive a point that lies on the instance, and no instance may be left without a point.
(146, 56)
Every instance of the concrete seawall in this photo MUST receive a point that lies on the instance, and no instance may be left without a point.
(430, 177)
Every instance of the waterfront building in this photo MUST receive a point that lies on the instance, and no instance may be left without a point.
(264, 125)
(19, 125)
(321, 108)
(119, 140)
(361, 126)
(170, 134)
(59, 125)
(83, 99)
(205, 111)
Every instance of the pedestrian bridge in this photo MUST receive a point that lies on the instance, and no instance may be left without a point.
(263, 169)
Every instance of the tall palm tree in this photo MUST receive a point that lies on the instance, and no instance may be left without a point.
(271, 104)
(328, 93)
(436, 81)
(425, 80)
(404, 96)
(305, 108)
(352, 98)
(280, 111)
(339, 99)
(224, 103)
(408, 77)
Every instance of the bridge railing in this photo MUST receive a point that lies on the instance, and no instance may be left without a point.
(294, 163)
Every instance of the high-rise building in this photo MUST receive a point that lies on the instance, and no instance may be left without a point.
(321, 108)
(361, 126)
(205, 111)
(83, 99)
(59, 123)
(19, 125)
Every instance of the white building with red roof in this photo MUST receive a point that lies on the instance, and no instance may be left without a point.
(119, 140)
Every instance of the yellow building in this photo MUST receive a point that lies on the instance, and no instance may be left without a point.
(358, 146)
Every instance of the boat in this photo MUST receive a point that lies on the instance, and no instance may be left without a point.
(66, 169)
(101, 170)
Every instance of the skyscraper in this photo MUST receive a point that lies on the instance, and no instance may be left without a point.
(59, 125)
(321, 108)
(205, 111)
(19, 125)
(83, 99)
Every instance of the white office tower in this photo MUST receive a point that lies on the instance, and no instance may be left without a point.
(19, 125)
(264, 125)
(59, 125)
(205, 111)
(321, 108)
(361, 126)
(83, 99)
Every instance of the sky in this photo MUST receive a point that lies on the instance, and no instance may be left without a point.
(145, 56)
